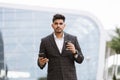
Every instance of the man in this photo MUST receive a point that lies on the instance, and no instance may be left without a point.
(60, 50)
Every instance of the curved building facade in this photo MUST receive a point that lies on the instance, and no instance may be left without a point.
(23, 29)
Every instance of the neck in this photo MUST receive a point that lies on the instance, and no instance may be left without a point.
(59, 35)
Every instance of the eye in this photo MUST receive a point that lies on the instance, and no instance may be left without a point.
(61, 23)
(58, 23)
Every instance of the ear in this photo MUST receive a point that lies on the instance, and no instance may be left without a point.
(52, 25)
(64, 25)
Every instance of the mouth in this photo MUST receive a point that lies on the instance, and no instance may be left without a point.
(58, 28)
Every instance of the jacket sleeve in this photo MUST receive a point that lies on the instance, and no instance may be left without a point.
(41, 50)
(80, 57)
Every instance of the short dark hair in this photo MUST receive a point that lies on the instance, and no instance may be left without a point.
(58, 16)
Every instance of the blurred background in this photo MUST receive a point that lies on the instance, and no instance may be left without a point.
(95, 23)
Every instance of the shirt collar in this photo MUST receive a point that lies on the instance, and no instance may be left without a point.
(56, 36)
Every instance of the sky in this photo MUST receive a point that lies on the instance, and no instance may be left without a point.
(106, 11)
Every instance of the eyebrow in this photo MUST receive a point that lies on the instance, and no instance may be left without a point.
(58, 23)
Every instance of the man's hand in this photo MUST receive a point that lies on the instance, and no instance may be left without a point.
(43, 61)
(71, 47)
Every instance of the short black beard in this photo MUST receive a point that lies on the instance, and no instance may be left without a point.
(59, 32)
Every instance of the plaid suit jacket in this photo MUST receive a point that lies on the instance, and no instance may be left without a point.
(61, 66)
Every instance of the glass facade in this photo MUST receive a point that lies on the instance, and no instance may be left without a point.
(2, 64)
(22, 32)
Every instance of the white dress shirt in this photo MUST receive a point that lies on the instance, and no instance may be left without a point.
(59, 42)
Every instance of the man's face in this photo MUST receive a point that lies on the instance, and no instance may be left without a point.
(58, 25)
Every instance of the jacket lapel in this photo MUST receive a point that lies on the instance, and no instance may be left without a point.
(52, 41)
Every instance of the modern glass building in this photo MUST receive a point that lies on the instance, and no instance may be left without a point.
(2, 64)
(23, 29)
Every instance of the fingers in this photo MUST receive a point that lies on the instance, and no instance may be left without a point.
(43, 60)
(71, 47)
